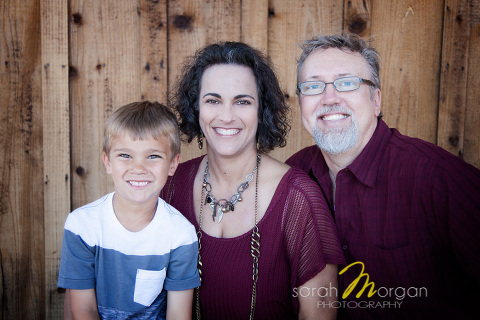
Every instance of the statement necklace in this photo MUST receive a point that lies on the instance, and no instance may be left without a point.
(254, 244)
(219, 207)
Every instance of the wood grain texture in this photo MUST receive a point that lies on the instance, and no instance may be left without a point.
(453, 85)
(471, 144)
(22, 264)
(255, 24)
(408, 37)
(357, 17)
(153, 50)
(56, 142)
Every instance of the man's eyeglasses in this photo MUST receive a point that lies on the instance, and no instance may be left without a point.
(311, 88)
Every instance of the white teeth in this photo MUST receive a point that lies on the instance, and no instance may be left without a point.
(332, 117)
(227, 132)
(138, 184)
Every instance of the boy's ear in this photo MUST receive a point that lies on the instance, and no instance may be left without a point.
(174, 164)
(106, 162)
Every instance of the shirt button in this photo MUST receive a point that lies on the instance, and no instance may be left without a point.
(345, 247)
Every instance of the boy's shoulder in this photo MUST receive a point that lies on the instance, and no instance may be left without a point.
(92, 208)
(170, 213)
(91, 214)
(174, 223)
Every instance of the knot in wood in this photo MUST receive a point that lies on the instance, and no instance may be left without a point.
(77, 18)
(357, 24)
(182, 22)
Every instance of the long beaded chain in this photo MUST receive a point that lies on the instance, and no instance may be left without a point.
(254, 248)
(219, 207)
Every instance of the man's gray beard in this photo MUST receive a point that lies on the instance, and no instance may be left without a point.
(337, 140)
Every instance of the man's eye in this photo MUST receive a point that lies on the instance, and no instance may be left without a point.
(348, 83)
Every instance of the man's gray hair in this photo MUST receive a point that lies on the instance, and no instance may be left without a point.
(349, 42)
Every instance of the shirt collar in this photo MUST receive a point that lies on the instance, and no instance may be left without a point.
(365, 167)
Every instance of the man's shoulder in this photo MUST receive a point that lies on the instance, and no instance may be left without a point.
(420, 149)
(304, 157)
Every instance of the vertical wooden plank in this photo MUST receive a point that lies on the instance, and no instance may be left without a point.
(471, 152)
(153, 37)
(22, 246)
(290, 23)
(255, 24)
(407, 34)
(193, 24)
(357, 17)
(453, 85)
(105, 73)
(56, 142)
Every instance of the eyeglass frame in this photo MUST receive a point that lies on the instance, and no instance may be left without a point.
(361, 80)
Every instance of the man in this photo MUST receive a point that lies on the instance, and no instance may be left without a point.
(407, 212)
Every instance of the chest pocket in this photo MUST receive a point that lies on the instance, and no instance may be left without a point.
(148, 285)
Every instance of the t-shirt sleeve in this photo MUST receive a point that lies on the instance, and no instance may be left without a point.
(77, 261)
(182, 272)
(310, 232)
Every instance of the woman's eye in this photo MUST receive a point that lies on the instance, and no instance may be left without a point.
(211, 101)
(246, 102)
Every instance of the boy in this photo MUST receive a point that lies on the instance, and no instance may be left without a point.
(126, 253)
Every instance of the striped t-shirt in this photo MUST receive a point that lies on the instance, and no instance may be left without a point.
(130, 271)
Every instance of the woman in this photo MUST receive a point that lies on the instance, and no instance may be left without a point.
(264, 229)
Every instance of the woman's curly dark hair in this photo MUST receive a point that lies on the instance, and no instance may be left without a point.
(273, 110)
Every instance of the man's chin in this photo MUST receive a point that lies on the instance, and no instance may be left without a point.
(336, 144)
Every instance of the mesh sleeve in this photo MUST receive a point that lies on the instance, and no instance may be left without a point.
(310, 232)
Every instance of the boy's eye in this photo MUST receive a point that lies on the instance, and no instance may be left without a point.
(154, 156)
(124, 155)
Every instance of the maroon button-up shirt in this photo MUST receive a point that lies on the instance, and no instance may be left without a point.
(409, 213)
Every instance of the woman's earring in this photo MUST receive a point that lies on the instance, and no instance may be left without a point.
(200, 141)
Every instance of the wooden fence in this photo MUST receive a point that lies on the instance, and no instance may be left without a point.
(66, 65)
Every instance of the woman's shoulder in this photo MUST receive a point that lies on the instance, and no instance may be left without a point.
(187, 169)
(191, 164)
(272, 167)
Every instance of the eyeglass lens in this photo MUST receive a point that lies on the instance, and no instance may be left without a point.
(340, 84)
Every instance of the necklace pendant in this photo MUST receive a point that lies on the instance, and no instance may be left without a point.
(208, 199)
(220, 214)
(214, 210)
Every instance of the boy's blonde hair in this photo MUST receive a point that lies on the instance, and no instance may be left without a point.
(140, 120)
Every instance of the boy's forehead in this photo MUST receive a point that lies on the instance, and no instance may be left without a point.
(137, 135)
(131, 137)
